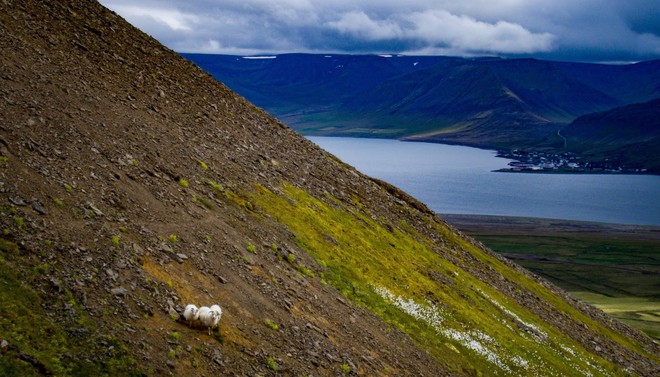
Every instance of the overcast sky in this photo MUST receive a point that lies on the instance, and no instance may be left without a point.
(580, 30)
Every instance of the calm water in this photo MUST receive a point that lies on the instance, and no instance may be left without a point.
(458, 180)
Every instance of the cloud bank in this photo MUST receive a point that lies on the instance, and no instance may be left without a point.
(587, 30)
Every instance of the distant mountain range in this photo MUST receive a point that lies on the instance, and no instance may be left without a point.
(485, 102)
(628, 133)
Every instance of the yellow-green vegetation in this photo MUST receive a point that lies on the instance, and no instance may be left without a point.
(240, 200)
(203, 201)
(272, 364)
(40, 346)
(217, 188)
(271, 325)
(174, 335)
(202, 164)
(68, 187)
(172, 238)
(3, 159)
(183, 183)
(405, 278)
(19, 221)
(305, 270)
(57, 202)
(251, 248)
(8, 246)
(115, 241)
(345, 369)
(639, 312)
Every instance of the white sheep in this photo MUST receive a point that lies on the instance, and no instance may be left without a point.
(210, 317)
(217, 308)
(191, 314)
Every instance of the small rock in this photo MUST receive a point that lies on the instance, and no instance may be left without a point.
(37, 206)
(119, 291)
(182, 256)
(222, 280)
(170, 364)
(4, 345)
(113, 275)
(94, 209)
(17, 200)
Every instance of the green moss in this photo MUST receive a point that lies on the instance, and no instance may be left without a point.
(305, 270)
(217, 188)
(3, 159)
(272, 364)
(183, 183)
(271, 325)
(57, 202)
(204, 202)
(52, 347)
(8, 246)
(19, 222)
(345, 369)
(251, 248)
(172, 238)
(242, 201)
(115, 241)
(68, 187)
(404, 278)
(174, 335)
(202, 164)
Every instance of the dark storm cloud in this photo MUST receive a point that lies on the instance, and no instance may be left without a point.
(560, 29)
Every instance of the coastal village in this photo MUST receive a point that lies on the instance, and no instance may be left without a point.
(534, 161)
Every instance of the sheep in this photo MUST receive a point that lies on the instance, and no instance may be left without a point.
(210, 317)
(203, 312)
(218, 309)
(191, 314)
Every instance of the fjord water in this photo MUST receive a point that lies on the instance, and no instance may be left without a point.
(459, 180)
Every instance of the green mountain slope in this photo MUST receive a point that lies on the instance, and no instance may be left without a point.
(629, 133)
(132, 183)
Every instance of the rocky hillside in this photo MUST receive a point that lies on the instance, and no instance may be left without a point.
(132, 183)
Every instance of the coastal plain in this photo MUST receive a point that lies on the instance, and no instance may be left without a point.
(615, 267)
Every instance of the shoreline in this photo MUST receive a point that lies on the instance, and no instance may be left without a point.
(495, 224)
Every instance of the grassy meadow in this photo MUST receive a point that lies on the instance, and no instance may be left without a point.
(615, 268)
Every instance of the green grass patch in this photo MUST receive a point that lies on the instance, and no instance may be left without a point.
(183, 183)
(8, 246)
(115, 241)
(403, 277)
(271, 325)
(623, 270)
(48, 345)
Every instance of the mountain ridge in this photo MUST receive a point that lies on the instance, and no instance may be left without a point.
(503, 104)
(133, 183)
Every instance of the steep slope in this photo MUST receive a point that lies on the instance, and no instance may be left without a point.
(133, 183)
(629, 133)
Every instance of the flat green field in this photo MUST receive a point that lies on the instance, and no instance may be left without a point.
(613, 267)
